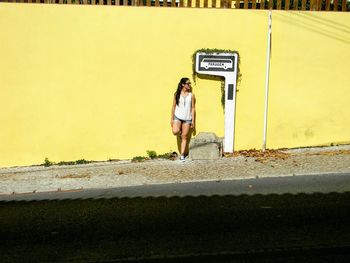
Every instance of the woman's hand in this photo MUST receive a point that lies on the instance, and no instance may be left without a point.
(171, 122)
(193, 128)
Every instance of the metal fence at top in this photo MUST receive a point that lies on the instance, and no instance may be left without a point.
(309, 5)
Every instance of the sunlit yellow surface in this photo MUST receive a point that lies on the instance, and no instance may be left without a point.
(96, 82)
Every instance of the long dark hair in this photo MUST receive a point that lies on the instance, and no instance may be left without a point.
(179, 88)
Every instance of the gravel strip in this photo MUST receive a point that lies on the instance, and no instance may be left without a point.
(335, 159)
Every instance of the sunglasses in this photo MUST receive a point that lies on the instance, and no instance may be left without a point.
(188, 83)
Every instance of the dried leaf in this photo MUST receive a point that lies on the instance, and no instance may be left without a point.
(262, 156)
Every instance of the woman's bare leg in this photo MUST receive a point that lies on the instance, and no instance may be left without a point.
(184, 135)
(176, 127)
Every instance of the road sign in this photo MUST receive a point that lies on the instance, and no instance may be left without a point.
(224, 65)
(212, 64)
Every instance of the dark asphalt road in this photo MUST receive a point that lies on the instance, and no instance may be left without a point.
(262, 220)
(325, 183)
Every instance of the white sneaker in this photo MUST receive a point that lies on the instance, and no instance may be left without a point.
(182, 158)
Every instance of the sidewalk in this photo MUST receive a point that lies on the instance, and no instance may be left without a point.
(243, 165)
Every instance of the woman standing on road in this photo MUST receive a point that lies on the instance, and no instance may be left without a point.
(183, 113)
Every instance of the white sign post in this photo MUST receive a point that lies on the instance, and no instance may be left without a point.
(224, 65)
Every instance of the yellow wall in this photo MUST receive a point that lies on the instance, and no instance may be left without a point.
(96, 82)
(310, 87)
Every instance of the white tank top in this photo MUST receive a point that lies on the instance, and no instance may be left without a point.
(183, 111)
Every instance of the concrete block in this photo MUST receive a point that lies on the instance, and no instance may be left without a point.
(205, 146)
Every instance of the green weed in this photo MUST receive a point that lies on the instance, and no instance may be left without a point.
(138, 159)
(47, 162)
(152, 154)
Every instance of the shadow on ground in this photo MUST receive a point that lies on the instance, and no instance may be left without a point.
(244, 228)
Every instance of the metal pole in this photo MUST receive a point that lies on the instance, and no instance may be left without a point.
(268, 52)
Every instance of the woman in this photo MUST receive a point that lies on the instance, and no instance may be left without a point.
(183, 113)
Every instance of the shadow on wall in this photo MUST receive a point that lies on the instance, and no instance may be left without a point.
(315, 24)
(222, 86)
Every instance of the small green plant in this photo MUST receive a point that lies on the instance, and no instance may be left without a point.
(164, 155)
(138, 159)
(152, 154)
(66, 163)
(113, 160)
(82, 161)
(171, 155)
(47, 162)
